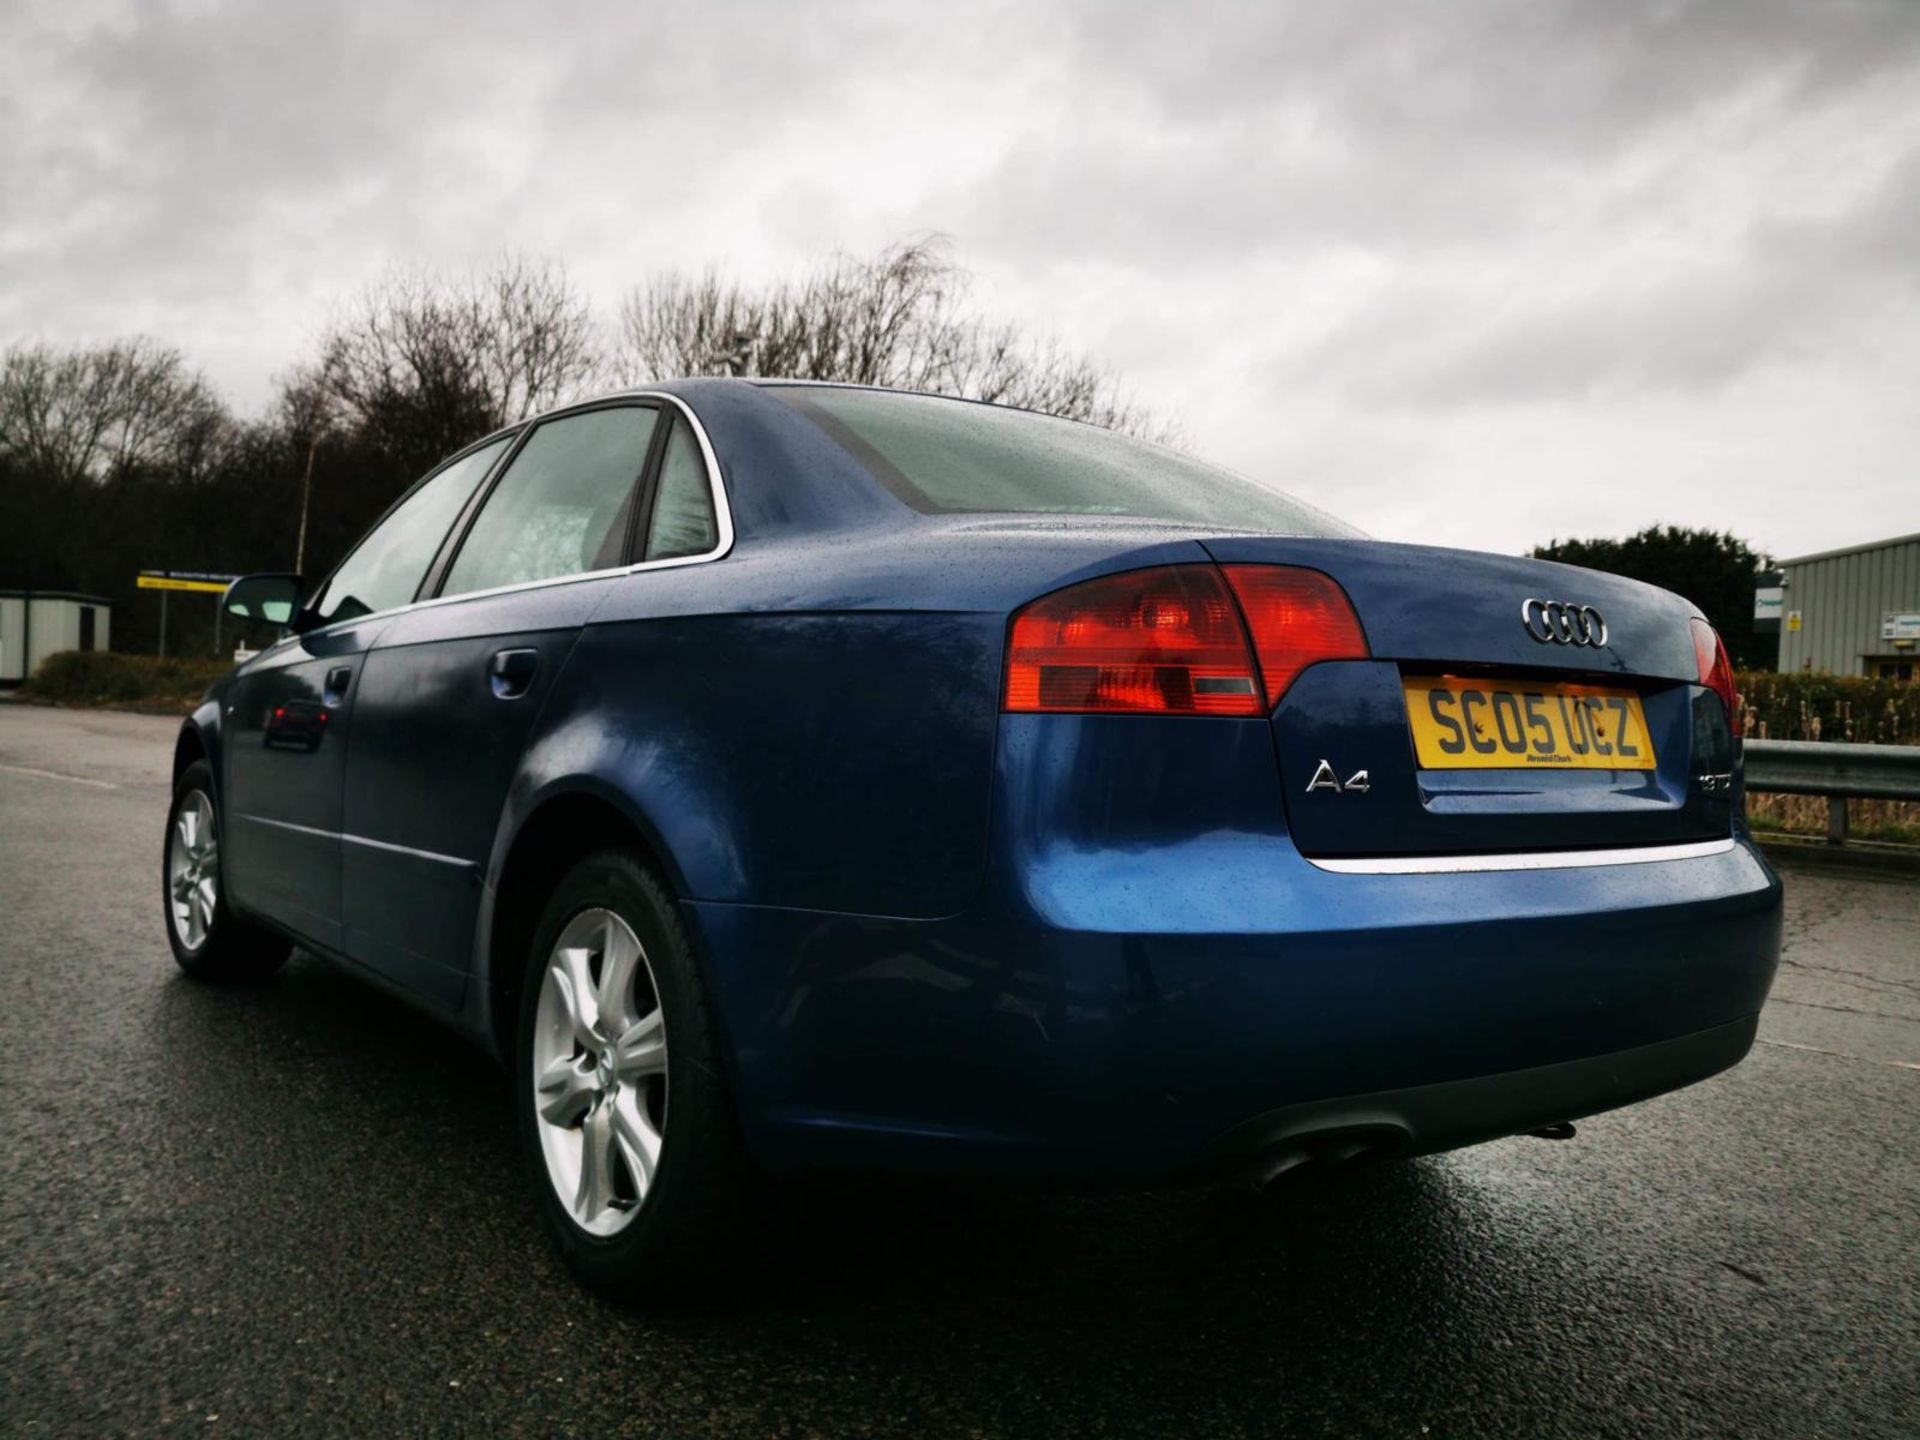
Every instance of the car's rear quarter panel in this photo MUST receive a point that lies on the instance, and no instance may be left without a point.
(812, 722)
(832, 762)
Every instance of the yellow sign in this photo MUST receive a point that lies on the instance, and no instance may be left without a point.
(1463, 724)
(164, 582)
(1793, 620)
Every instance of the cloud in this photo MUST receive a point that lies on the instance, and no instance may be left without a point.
(1408, 258)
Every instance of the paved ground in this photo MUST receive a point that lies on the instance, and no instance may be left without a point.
(297, 1207)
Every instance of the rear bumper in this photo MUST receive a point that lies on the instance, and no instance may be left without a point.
(1137, 1010)
(1424, 1118)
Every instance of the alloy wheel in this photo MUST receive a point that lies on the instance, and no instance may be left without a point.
(193, 869)
(600, 1071)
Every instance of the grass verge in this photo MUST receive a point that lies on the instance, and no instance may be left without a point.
(1894, 821)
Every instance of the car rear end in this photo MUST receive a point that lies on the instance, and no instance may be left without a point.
(1389, 851)
(1297, 843)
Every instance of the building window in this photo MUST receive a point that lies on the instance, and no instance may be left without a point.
(1893, 669)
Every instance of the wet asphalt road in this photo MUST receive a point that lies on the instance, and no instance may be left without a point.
(297, 1208)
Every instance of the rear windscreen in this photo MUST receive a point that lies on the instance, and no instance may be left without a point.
(946, 456)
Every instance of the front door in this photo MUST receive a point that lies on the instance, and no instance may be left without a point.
(289, 710)
(286, 727)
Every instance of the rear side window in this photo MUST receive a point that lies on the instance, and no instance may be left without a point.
(385, 568)
(564, 505)
(682, 522)
(949, 456)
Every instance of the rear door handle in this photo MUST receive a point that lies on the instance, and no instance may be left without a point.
(337, 680)
(511, 673)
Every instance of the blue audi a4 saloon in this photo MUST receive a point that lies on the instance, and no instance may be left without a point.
(795, 777)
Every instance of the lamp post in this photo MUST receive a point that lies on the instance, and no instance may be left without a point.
(306, 492)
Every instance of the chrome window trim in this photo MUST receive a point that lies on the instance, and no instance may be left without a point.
(1534, 860)
(507, 437)
(722, 514)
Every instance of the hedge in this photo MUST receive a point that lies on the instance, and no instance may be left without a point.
(126, 682)
(1813, 705)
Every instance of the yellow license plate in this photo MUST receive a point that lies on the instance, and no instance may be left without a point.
(1463, 724)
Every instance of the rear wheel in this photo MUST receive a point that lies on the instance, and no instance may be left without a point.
(624, 1110)
(209, 941)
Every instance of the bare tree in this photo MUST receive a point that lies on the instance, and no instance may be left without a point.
(540, 345)
(896, 319)
(93, 412)
(426, 363)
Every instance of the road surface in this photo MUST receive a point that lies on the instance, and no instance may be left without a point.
(298, 1208)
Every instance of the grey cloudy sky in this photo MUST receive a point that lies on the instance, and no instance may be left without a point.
(1478, 274)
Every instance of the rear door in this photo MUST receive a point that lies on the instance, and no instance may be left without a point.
(290, 712)
(453, 688)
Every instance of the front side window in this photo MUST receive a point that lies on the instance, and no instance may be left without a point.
(946, 456)
(564, 504)
(682, 522)
(385, 568)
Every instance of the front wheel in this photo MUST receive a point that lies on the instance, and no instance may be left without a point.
(209, 941)
(624, 1110)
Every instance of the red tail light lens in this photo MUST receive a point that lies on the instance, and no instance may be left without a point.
(1716, 669)
(1298, 617)
(1165, 641)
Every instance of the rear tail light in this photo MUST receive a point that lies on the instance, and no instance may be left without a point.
(1716, 669)
(1172, 641)
(1298, 618)
(1165, 641)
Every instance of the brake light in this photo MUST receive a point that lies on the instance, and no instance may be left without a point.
(1298, 618)
(1164, 641)
(1716, 669)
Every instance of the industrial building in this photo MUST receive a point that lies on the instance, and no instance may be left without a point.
(1848, 612)
(37, 623)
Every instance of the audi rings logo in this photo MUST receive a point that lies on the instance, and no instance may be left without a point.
(1554, 622)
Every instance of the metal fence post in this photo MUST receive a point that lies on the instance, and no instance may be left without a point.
(1836, 820)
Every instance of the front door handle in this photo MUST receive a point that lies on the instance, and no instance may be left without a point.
(338, 679)
(511, 673)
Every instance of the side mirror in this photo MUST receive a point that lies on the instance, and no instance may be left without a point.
(272, 599)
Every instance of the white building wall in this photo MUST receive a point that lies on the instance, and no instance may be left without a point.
(13, 612)
(55, 627)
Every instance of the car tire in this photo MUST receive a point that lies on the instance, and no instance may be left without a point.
(665, 1208)
(209, 941)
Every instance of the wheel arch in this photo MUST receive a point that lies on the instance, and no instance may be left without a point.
(565, 825)
(198, 739)
(187, 748)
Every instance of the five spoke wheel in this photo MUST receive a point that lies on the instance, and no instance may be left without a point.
(600, 1071)
(193, 869)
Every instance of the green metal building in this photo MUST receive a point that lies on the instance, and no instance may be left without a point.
(1850, 612)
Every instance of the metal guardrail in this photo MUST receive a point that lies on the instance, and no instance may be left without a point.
(1838, 771)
